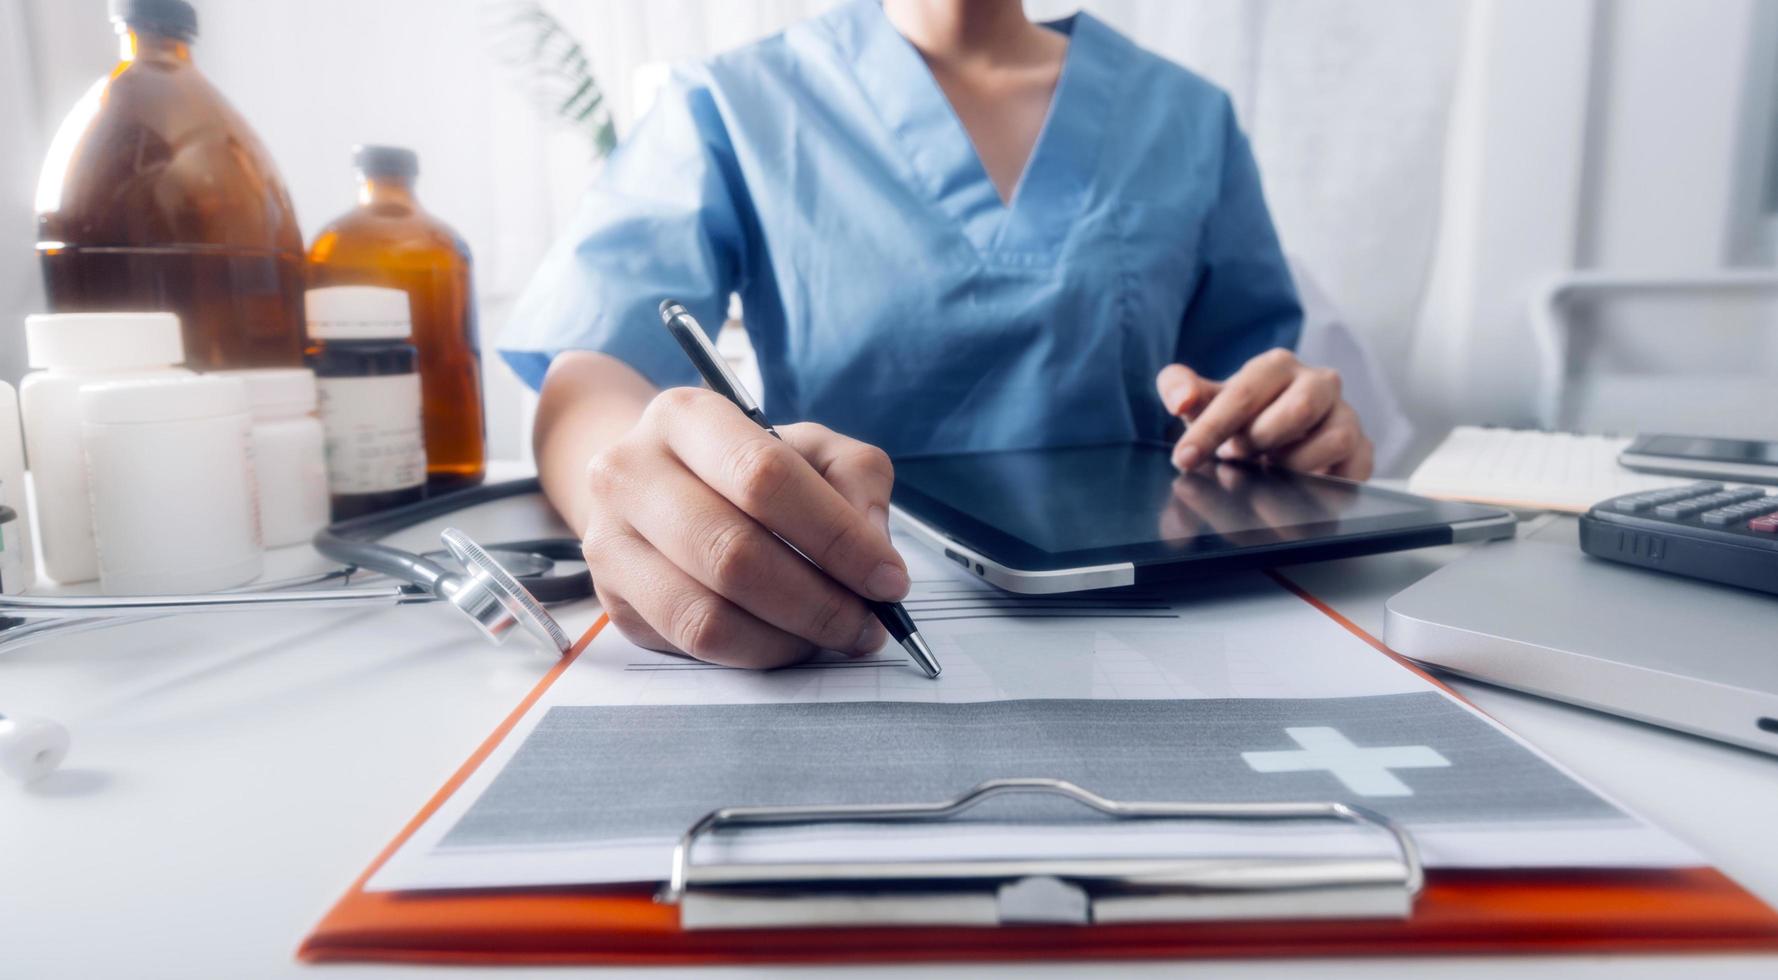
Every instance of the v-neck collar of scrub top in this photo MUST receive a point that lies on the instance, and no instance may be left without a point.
(942, 162)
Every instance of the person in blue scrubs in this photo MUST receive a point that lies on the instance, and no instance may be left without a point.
(951, 229)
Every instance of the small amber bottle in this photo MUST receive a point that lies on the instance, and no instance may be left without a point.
(388, 240)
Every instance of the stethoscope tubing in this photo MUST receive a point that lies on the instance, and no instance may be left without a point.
(353, 543)
(349, 542)
(39, 617)
(82, 606)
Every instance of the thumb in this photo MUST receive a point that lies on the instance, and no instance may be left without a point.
(1183, 391)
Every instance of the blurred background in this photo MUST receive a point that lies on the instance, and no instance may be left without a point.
(1528, 212)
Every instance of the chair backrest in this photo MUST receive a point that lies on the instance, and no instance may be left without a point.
(1695, 354)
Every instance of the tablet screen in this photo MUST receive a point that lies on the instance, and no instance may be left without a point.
(1096, 497)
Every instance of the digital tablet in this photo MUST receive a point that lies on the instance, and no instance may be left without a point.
(1096, 517)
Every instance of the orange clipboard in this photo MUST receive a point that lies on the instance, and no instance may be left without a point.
(1460, 911)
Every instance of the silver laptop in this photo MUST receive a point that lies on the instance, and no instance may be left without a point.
(1537, 615)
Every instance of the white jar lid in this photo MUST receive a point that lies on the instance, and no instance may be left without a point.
(275, 392)
(162, 400)
(358, 313)
(102, 341)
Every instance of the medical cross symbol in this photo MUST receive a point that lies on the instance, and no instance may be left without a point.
(1364, 771)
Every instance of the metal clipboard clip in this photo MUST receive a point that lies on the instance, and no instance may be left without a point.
(1040, 891)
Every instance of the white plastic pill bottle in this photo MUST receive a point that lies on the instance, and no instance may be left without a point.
(172, 484)
(289, 453)
(75, 349)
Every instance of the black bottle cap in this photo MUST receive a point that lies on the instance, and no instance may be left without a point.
(385, 161)
(173, 18)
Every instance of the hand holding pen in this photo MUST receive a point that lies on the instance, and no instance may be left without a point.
(879, 599)
(685, 526)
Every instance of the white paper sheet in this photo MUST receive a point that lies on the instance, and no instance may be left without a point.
(1240, 653)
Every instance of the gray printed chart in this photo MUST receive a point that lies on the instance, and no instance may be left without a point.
(583, 775)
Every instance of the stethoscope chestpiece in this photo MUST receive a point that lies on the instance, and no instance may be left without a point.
(494, 600)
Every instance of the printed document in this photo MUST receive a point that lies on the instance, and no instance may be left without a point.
(1234, 691)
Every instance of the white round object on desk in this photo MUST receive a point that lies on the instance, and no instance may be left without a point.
(289, 453)
(170, 463)
(31, 748)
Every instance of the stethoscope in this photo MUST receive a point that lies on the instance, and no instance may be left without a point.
(497, 594)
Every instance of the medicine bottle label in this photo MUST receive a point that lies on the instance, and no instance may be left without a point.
(374, 440)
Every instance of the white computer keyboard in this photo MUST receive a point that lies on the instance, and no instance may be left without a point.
(1530, 469)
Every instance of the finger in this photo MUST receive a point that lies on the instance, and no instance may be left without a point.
(629, 622)
(1242, 397)
(1236, 447)
(1335, 441)
(776, 486)
(1297, 411)
(681, 613)
(730, 554)
(1359, 465)
(1183, 391)
(861, 472)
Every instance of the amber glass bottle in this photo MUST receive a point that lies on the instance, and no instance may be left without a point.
(388, 240)
(156, 196)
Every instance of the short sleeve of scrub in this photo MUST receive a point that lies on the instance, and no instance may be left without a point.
(662, 220)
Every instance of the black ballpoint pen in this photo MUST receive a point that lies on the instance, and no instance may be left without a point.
(696, 344)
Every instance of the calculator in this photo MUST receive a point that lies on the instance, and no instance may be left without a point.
(1700, 530)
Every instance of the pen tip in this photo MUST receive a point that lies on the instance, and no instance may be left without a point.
(670, 309)
(915, 645)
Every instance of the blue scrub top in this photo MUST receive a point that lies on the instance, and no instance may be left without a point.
(890, 295)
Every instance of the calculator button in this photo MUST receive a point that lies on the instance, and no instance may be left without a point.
(1631, 505)
(1720, 517)
(1764, 525)
(1702, 487)
(1742, 495)
(1684, 508)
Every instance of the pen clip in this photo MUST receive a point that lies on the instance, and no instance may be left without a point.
(704, 356)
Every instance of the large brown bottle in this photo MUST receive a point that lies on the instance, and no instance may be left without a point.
(157, 196)
(388, 240)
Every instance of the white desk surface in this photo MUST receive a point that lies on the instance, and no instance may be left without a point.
(231, 775)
